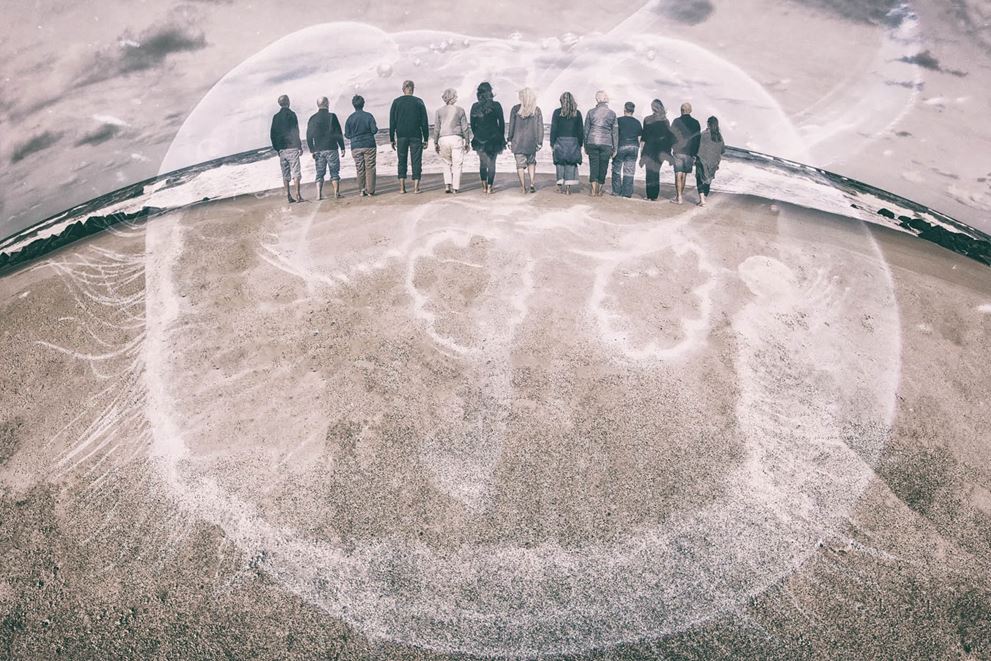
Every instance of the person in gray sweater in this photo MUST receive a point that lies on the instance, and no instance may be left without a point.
(710, 154)
(452, 137)
(526, 136)
(601, 141)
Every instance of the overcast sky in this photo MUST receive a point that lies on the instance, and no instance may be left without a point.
(94, 92)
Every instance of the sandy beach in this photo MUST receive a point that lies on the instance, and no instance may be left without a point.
(430, 426)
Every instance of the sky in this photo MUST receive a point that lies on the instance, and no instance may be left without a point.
(896, 95)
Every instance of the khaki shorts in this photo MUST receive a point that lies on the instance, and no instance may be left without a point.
(289, 162)
(523, 160)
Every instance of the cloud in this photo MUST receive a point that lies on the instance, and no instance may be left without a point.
(100, 135)
(691, 12)
(148, 50)
(35, 144)
(889, 12)
(927, 60)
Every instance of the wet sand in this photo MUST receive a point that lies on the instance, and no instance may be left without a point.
(423, 427)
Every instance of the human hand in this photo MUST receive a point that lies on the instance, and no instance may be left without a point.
(393, 146)
(427, 144)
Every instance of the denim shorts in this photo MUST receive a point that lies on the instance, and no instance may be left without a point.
(523, 160)
(683, 162)
(328, 160)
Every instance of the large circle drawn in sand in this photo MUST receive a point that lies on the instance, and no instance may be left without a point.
(488, 426)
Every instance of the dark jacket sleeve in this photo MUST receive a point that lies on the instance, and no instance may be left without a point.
(335, 129)
(555, 118)
(581, 128)
(473, 120)
(375, 128)
(272, 133)
(294, 126)
(424, 122)
(393, 115)
(309, 135)
(501, 118)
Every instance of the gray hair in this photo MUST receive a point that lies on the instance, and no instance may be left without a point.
(408, 86)
(686, 108)
(284, 101)
(449, 96)
(323, 102)
(601, 97)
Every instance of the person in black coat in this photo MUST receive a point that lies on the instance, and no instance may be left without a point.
(567, 136)
(286, 143)
(488, 126)
(409, 131)
(323, 138)
(687, 132)
(657, 140)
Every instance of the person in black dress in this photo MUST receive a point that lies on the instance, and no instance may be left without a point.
(567, 135)
(488, 126)
(657, 140)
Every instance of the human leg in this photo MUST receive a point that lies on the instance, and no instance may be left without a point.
(653, 176)
(369, 157)
(445, 148)
(457, 163)
(629, 170)
(617, 175)
(416, 157)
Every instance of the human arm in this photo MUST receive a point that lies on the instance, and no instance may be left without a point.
(615, 135)
(512, 124)
(338, 133)
(540, 129)
(393, 115)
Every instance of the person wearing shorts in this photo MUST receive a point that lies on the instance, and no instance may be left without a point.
(687, 132)
(526, 136)
(286, 143)
(324, 137)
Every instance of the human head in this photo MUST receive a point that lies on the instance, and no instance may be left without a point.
(284, 101)
(450, 96)
(484, 92)
(657, 107)
(323, 102)
(601, 97)
(686, 108)
(358, 101)
(713, 124)
(629, 107)
(528, 102)
(407, 87)
(568, 105)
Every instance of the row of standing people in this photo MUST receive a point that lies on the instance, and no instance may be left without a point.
(601, 134)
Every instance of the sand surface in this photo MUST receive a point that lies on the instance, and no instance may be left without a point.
(518, 425)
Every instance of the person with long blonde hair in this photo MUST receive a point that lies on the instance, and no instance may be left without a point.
(567, 135)
(526, 136)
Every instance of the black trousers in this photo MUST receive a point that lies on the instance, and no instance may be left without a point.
(702, 186)
(486, 166)
(653, 168)
(414, 148)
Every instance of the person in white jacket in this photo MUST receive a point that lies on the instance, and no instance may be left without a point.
(452, 138)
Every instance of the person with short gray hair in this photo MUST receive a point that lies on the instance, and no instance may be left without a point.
(687, 132)
(323, 138)
(284, 135)
(452, 137)
(360, 129)
(409, 132)
(601, 141)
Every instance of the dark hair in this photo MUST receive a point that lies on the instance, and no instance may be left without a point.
(484, 95)
(713, 125)
(358, 101)
(568, 106)
(629, 106)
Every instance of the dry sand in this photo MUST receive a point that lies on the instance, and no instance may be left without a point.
(425, 427)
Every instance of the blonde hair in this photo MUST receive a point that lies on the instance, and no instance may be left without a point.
(450, 96)
(528, 102)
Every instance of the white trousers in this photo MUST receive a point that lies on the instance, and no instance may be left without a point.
(452, 154)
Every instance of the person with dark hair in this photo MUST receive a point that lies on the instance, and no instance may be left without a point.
(625, 161)
(601, 141)
(285, 141)
(567, 135)
(409, 131)
(451, 139)
(488, 125)
(686, 131)
(710, 154)
(526, 135)
(360, 129)
(323, 138)
(657, 140)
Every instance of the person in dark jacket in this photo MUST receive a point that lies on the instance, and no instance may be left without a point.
(360, 129)
(686, 131)
(625, 161)
(409, 131)
(488, 126)
(323, 138)
(657, 140)
(710, 154)
(285, 141)
(567, 135)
